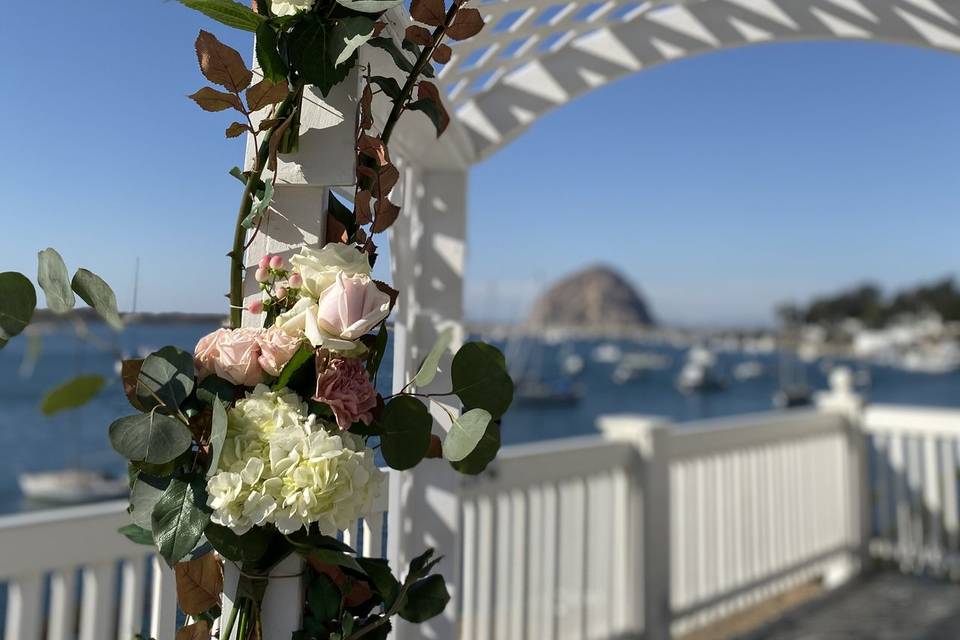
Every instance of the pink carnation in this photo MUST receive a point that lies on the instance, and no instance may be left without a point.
(243, 356)
(346, 388)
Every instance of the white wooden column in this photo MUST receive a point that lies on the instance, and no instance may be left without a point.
(427, 251)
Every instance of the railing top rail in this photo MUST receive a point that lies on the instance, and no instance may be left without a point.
(708, 437)
(904, 419)
(524, 465)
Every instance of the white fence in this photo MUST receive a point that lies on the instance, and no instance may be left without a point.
(645, 530)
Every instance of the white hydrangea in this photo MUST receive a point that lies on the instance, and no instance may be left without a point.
(279, 466)
(290, 7)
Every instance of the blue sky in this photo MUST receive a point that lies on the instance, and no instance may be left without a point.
(721, 185)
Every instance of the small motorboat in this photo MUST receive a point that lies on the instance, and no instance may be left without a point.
(634, 365)
(748, 370)
(793, 396)
(607, 353)
(700, 373)
(71, 486)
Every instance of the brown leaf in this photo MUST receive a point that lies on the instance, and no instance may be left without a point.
(355, 591)
(275, 139)
(129, 373)
(336, 232)
(420, 35)
(361, 235)
(386, 179)
(366, 104)
(431, 12)
(378, 26)
(221, 64)
(269, 123)
(429, 91)
(361, 207)
(436, 447)
(370, 248)
(266, 92)
(373, 148)
(197, 631)
(210, 99)
(199, 584)
(442, 53)
(387, 289)
(466, 24)
(386, 215)
(237, 129)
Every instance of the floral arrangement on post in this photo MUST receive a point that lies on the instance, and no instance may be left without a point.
(260, 444)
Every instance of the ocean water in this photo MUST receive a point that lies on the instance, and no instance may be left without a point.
(30, 441)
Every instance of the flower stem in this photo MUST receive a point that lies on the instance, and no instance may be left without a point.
(232, 620)
(246, 204)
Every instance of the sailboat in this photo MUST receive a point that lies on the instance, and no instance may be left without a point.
(794, 390)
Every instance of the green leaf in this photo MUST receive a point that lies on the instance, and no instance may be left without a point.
(370, 6)
(150, 437)
(215, 388)
(18, 300)
(425, 599)
(324, 598)
(421, 565)
(484, 453)
(299, 359)
(137, 535)
(72, 394)
(388, 45)
(218, 434)
(416, 50)
(248, 548)
(348, 35)
(309, 48)
(480, 378)
(95, 292)
(465, 433)
(179, 519)
(406, 427)
(233, 14)
(165, 379)
(377, 352)
(388, 85)
(145, 490)
(382, 578)
(428, 370)
(271, 64)
(338, 558)
(55, 281)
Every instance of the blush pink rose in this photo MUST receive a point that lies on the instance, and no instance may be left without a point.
(351, 307)
(346, 388)
(243, 356)
(276, 349)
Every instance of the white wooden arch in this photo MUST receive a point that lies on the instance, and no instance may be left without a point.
(537, 55)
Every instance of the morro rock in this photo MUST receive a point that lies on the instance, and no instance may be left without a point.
(594, 297)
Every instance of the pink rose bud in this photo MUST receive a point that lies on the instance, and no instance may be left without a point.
(276, 262)
(264, 262)
(295, 281)
(256, 306)
(262, 275)
(281, 293)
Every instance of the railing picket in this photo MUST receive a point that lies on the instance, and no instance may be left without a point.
(536, 589)
(881, 458)
(948, 453)
(518, 566)
(469, 577)
(24, 607)
(98, 601)
(131, 598)
(931, 493)
(163, 601)
(551, 557)
(486, 520)
(598, 556)
(571, 570)
(503, 604)
(898, 464)
(61, 619)
(373, 535)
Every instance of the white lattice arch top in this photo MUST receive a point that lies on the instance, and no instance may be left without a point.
(536, 55)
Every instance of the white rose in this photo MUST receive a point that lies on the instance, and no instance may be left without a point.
(319, 268)
(290, 7)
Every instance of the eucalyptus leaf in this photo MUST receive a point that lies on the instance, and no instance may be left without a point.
(348, 35)
(428, 370)
(72, 394)
(144, 493)
(406, 427)
(136, 534)
(18, 300)
(95, 292)
(218, 434)
(465, 433)
(165, 379)
(480, 378)
(215, 388)
(55, 281)
(483, 454)
(150, 437)
(179, 519)
(233, 14)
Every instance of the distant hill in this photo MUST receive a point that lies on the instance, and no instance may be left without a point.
(594, 297)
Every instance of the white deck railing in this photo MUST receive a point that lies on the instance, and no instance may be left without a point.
(647, 529)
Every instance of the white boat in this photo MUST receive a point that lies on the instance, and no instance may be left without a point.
(572, 364)
(71, 486)
(700, 372)
(634, 365)
(939, 357)
(748, 370)
(607, 353)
